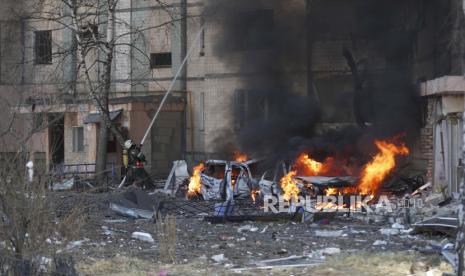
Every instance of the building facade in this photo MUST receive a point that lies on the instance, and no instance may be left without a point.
(313, 46)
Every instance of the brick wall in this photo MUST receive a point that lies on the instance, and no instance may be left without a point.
(426, 144)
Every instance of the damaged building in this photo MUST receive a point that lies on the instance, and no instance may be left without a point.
(248, 136)
(270, 78)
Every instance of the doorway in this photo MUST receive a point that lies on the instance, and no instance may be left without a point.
(166, 142)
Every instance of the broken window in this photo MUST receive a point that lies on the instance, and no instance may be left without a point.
(160, 60)
(78, 139)
(43, 47)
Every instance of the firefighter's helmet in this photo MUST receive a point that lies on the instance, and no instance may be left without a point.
(128, 144)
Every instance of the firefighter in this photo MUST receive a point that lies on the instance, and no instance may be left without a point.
(135, 173)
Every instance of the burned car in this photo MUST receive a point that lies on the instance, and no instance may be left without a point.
(225, 180)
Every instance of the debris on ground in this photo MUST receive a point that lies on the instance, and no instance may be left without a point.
(134, 203)
(326, 234)
(247, 228)
(330, 251)
(146, 237)
(219, 258)
(66, 184)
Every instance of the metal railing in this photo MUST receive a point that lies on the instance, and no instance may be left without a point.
(85, 170)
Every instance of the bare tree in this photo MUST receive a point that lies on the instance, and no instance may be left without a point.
(27, 216)
(97, 34)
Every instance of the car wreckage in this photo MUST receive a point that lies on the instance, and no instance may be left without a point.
(226, 180)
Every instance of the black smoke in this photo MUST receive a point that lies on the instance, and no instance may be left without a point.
(272, 40)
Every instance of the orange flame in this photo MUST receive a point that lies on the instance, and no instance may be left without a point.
(254, 194)
(307, 166)
(332, 191)
(289, 186)
(240, 157)
(371, 177)
(382, 164)
(195, 183)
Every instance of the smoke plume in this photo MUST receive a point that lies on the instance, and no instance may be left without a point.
(287, 110)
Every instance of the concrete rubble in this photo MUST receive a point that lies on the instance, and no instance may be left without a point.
(253, 243)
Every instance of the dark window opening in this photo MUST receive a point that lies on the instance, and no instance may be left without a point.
(160, 60)
(43, 47)
(56, 134)
(78, 139)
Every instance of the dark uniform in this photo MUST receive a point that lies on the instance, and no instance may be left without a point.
(136, 174)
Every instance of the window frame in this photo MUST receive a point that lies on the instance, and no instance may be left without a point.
(43, 52)
(78, 145)
(153, 59)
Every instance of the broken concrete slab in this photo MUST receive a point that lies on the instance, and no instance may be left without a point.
(131, 212)
(135, 203)
(444, 225)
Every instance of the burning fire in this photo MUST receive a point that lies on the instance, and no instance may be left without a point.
(382, 164)
(304, 165)
(372, 174)
(307, 166)
(240, 157)
(254, 194)
(195, 183)
(289, 186)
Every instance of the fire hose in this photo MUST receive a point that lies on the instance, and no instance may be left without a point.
(168, 92)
